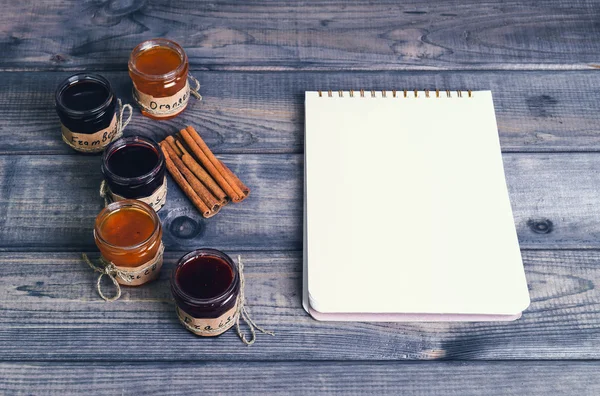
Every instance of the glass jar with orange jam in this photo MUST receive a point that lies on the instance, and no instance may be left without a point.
(129, 235)
(159, 70)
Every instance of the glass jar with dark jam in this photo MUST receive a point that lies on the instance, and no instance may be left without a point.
(206, 286)
(159, 71)
(86, 106)
(134, 168)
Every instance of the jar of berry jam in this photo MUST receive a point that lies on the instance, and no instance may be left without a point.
(134, 168)
(129, 235)
(87, 108)
(159, 71)
(206, 286)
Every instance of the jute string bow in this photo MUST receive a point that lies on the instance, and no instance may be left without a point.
(109, 269)
(240, 314)
(112, 272)
(120, 127)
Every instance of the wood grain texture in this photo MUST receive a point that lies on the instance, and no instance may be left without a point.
(264, 112)
(49, 310)
(297, 378)
(50, 203)
(315, 35)
(57, 336)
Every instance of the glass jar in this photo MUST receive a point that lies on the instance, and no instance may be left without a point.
(129, 235)
(86, 106)
(159, 71)
(206, 285)
(134, 168)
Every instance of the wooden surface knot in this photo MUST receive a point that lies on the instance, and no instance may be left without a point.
(540, 226)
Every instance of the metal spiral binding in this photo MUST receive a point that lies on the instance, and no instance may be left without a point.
(406, 93)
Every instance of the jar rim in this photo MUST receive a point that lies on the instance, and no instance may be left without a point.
(118, 205)
(122, 142)
(75, 79)
(152, 43)
(190, 300)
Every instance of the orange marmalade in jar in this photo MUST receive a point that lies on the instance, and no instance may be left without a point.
(159, 71)
(129, 235)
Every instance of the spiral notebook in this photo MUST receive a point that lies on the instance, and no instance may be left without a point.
(407, 214)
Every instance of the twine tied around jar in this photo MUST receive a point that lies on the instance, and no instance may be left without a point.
(118, 130)
(120, 124)
(241, 313)
(196, 90)
(113, 272)
(105, 194)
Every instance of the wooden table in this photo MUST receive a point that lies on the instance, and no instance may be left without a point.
(255, 59)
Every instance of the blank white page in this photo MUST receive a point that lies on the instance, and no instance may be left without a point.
(407, 209)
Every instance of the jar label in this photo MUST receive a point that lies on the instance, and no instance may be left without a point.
(163, 107)
(157, 200)
(90, 142)
(208, 327)
(143, 273)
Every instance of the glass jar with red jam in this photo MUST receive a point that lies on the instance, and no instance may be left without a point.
(86, 106)
(206, 285)
(159, 71)
(129, 235)
(134, 168)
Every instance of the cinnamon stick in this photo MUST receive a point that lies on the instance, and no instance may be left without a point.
(185, 186)
(232, 176)
(229, 177)
(196, 185)
(208, 165)
(205, 178)
(181, 147)
(171, 142)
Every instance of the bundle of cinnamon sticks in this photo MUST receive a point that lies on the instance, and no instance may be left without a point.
(204, 179)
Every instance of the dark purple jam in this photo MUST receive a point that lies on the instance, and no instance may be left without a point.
(132, 160)
(85, 95)
(85, 103)
(133, 167)
(205, 283)
(205, 277)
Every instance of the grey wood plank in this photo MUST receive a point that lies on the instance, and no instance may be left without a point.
(298, 378)
(49, 310)
(50, 203)
(264, 112)
(316, 35)
(239, 113)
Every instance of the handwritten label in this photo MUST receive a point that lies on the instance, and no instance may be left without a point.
(166, 106)
(157, 200)
(90, 142)
(208, 327)
(143, 273)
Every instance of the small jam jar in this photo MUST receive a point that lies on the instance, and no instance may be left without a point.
(129, 235)
(159, 70)
(86, 106)
(206, 285)
(134, 168)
